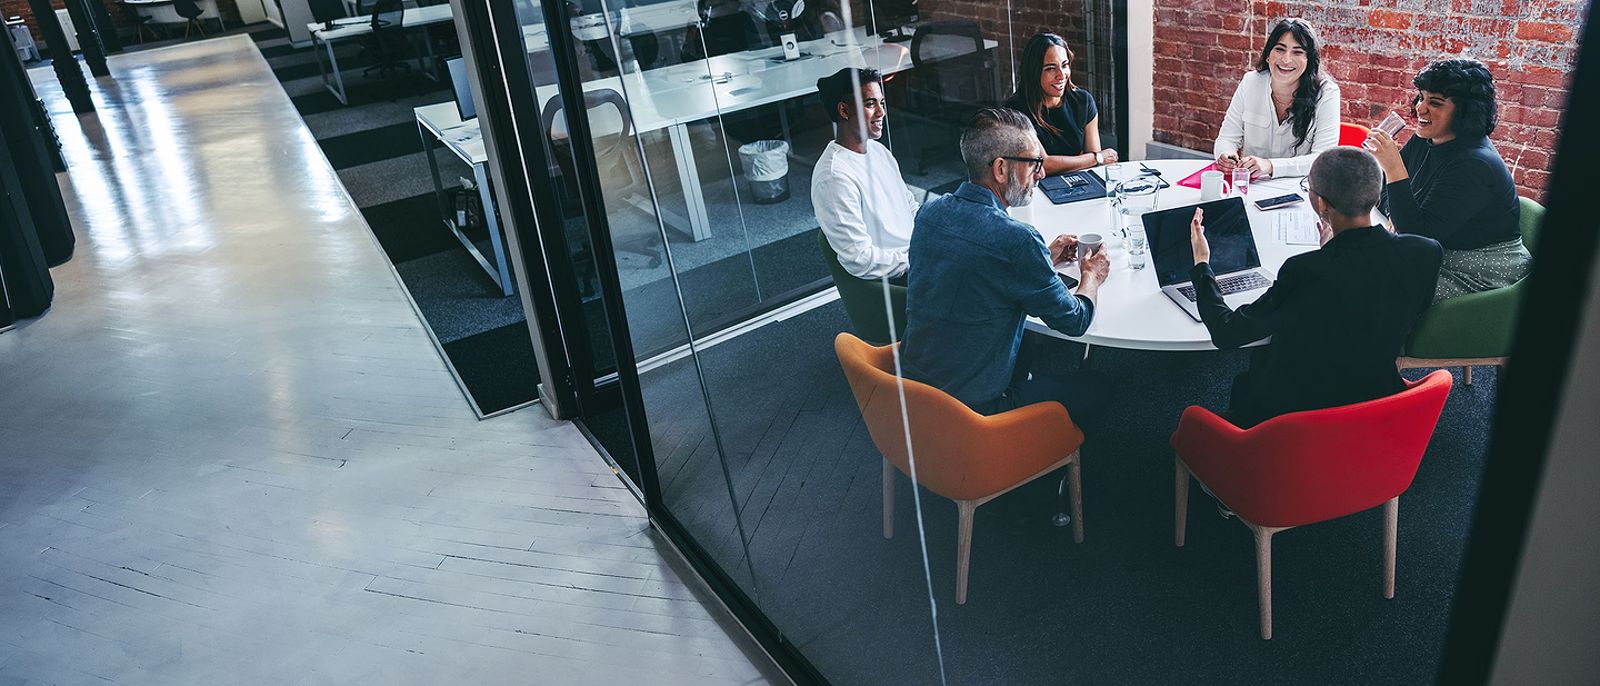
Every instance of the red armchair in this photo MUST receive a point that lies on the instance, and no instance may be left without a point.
(1309, 467)
(1352, 135)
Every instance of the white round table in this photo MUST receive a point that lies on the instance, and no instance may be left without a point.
(1131, 312)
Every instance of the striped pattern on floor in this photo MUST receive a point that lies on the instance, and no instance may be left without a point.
(374, 146)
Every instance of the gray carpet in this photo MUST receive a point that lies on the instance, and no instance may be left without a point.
(1124, 607)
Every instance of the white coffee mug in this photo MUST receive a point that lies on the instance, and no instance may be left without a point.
(1087, 243)
(1211, 185)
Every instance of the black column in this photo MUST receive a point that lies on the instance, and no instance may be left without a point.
(94, 54)
(67, 71)
(28, 134)
(25, 285)
(104, 24)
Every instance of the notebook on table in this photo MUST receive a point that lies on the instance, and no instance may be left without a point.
(1073, 187)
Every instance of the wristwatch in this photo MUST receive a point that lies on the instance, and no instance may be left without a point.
(1099, 157)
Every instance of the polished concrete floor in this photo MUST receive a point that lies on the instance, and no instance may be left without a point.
(229, 453)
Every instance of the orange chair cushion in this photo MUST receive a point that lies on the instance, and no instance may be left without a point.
(960, 454)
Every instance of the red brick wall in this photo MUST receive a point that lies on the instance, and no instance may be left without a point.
(1203, 46)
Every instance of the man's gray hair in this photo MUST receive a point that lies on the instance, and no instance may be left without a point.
(1349, 179)
(991, 133)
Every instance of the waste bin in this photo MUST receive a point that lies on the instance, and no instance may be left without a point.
(766, 165)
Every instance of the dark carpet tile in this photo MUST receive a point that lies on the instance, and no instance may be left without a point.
(498, 366)
(319, 102)
(350, 66)
(268, 32)
(410, 228)
(372, 145)
(277, 50)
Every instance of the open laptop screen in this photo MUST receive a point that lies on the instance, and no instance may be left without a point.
(1233, 248)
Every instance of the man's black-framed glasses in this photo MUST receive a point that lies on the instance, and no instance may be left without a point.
(1038, 162)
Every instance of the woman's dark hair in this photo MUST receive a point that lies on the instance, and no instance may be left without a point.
(1032, 69)
(1303, 111)
(1470, 86)
(842, 87)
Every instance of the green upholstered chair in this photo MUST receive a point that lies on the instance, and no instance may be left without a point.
(1472, 329)
(863, 300)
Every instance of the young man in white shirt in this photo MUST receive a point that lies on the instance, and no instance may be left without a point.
(862, 203)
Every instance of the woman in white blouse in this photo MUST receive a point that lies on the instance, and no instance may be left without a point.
(1285, 112)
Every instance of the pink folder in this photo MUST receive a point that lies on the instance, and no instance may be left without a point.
(1193, 180)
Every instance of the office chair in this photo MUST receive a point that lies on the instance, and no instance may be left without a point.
(954, 78)
(190, 11)
(614, 153)
(387, 43)
(1352, 135)
(1476, 328)
(961, 455)
(1308, 467)
(863, 299)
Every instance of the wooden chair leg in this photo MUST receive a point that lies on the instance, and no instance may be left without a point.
(1391, 527)
(965, 509)
(1180, 505)
(1467, 372)
(1075, 491)
(1264, 577)
(888, 499)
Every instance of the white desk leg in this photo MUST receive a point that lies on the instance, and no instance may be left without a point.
(480, 175)
(689, 175)
(333, 66)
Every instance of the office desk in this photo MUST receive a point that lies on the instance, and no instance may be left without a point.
(441, 124)
(352, 28)
(1131, 311)
(675, 96)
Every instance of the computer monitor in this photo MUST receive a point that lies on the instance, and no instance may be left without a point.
(463, 86)
(326, 11)
(886, 17)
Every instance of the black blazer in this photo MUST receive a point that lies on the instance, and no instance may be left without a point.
(1338, 317)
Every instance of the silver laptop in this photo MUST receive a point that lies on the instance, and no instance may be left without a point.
(1234, 258)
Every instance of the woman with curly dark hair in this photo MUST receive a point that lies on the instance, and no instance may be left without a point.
(1448, 183)
(1285, 112)
(1064, 115)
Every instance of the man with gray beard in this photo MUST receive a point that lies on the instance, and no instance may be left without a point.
(980, 272)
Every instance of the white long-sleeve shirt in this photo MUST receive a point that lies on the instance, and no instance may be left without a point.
(864, 208)
(1252, 124)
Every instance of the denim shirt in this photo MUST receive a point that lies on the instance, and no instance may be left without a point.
(975, 273)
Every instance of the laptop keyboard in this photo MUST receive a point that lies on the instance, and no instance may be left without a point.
(1236, 283)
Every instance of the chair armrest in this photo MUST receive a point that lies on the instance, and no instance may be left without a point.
(1046, 423)
(1473, 325)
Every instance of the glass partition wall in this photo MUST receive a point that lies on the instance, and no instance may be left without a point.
(867, 527)
(755, 447)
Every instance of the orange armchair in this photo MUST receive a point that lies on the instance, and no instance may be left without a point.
(960, 454)
(1308, 467)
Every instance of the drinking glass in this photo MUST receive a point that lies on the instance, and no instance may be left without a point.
(1136, 249)
(1241, 181)
(1392, 124)
(1114, 177)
